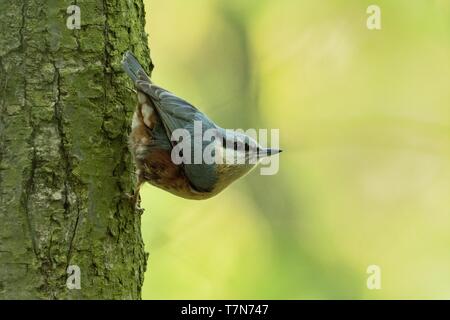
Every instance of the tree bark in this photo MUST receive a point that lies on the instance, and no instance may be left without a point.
(65, 168)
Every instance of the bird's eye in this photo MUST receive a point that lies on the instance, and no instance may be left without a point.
(247, 147)
(224, 142)
(235, 145)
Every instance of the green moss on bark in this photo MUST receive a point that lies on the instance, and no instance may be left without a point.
(64, 164)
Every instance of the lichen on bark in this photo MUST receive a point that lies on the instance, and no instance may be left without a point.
(65, 109)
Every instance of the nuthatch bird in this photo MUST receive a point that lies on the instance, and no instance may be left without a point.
(158, 115)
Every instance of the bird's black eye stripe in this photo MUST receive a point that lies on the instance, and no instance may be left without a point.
(235, 144)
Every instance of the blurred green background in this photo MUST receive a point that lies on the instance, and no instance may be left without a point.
(364, 122)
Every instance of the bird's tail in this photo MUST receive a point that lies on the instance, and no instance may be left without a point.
(133, 68)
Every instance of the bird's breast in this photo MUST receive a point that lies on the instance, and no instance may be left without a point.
(159, 170)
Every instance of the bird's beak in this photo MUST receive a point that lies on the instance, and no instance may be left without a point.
(269, 152)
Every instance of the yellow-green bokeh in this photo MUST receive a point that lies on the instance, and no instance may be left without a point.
(364, 122)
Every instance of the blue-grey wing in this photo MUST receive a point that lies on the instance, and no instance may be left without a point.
(176, 113)
(159, 138)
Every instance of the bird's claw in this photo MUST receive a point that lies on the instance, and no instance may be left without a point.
(135, 200)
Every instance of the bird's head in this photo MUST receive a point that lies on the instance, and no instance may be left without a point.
(239, 154)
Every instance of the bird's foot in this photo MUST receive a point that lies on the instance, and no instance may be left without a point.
(135, 200)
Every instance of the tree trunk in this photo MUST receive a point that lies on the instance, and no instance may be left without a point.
(65, 168)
